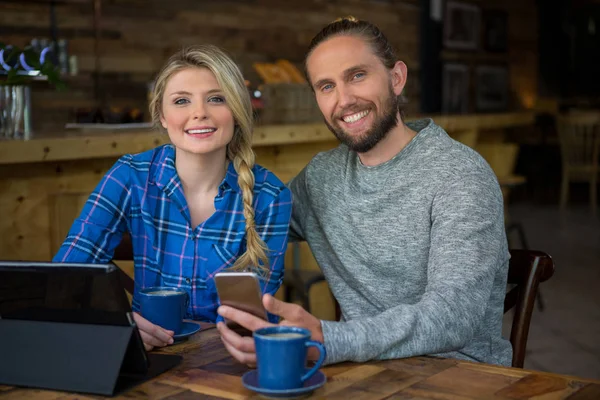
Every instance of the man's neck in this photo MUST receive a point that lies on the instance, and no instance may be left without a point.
(389, 146)
(200, 173)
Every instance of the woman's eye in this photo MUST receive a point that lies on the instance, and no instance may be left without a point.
(181, 101)
(216, 99)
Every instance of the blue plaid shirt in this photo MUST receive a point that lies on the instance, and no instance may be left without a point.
(142, 194)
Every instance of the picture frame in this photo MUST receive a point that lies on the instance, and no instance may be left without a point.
(495, 30)
(462, 26)
(492, 88)
(455, 88)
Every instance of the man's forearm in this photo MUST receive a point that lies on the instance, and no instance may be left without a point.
(430, 326)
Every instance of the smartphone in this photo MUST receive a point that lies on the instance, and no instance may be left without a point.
(241, 290)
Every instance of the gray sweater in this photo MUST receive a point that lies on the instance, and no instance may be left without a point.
(414, 250)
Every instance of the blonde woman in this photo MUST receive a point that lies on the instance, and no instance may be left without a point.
(196, 206)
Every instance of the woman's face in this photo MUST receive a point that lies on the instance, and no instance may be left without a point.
(195, 112)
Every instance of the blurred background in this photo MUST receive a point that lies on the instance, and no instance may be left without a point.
(515, 80)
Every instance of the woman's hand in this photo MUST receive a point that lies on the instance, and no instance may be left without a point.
(152, 335)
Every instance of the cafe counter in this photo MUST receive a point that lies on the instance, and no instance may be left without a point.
(45, 181)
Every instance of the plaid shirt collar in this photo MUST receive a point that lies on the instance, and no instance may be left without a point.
(165, 175)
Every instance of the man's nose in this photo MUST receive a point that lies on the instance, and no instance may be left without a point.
(346, 97)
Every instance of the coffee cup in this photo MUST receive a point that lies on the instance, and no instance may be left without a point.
(281, 357)
(164, 306)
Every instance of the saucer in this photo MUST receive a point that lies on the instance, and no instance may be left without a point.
(187, 330)
(250, 381)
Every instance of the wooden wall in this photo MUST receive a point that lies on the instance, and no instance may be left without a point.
(138, 35)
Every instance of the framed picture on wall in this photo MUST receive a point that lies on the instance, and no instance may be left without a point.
(492, 88)
(462, 23)
(455, 89)
(495, 30)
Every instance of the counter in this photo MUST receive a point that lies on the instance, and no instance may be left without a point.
(45, 181)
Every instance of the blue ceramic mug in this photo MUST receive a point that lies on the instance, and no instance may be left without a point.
(164, 306)
(281, 356)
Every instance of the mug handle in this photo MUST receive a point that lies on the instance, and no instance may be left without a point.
(322, 353)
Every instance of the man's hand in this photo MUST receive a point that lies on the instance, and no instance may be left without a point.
(242, 348)
(152, 335)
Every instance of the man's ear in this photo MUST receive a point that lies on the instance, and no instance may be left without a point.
(398, 74)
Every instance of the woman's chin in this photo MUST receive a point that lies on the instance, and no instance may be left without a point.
(199, 148)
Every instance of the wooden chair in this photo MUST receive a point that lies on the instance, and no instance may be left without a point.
(526, 270)
(579, 135)
(298, 281)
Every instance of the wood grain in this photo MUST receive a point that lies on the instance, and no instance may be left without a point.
(208, 372)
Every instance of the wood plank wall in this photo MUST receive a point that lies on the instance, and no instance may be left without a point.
(138, 35)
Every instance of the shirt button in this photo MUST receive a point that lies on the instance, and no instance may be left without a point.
(187, 280)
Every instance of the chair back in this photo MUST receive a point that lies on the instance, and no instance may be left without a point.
(579, 135)
(527, 269)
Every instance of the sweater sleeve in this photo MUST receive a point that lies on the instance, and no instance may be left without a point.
(467, 249)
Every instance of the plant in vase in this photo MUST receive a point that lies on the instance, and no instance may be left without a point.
(18, 67)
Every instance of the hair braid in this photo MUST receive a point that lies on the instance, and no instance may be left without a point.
(255, 255)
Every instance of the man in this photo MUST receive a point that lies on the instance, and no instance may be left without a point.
(406, 223)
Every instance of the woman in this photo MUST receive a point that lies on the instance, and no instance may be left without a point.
(196, 206)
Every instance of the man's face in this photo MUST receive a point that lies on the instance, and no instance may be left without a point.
(354, 91)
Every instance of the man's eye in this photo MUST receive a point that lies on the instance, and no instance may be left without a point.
(327, 87)
(359, 75)
(181, 100)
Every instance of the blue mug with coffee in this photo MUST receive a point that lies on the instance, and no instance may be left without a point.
(164, 306)
(281, 357)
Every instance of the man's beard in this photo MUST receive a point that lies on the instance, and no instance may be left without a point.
(381, 127)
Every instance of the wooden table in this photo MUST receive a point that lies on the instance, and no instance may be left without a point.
(208, 372)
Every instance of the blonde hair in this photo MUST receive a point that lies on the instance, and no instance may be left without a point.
(239, 150)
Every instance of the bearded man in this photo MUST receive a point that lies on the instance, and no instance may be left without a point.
(405, 223)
